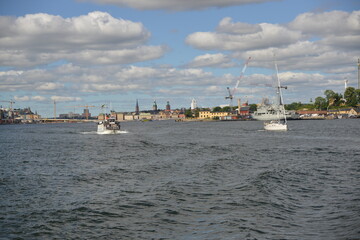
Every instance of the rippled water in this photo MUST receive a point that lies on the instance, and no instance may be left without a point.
(186, 180)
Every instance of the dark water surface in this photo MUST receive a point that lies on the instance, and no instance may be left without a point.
(186, 180)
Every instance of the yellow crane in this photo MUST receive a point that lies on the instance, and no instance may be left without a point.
(86, 107)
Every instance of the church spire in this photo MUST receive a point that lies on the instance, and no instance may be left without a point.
(137, 108)
(155, 106)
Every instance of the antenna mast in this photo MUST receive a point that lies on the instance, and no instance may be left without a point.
(358, 73)
(54, 109)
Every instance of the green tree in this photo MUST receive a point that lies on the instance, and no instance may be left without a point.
(196, 112)
(320, 103)
(253, 107)
(329, 94)
(333, 98)
(217, 109)
(338, 99)
(357, 92)
(189, 113)
(226, 109)
(350, 97)
(294, 106)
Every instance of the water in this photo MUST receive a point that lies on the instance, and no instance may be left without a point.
(185, 180)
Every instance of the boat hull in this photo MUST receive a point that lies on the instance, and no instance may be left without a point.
(107, 127)
(275, 126)
(108, 132)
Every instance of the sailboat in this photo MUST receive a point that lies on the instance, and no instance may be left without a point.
(280, 124)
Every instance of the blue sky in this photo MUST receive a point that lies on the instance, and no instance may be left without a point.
(92, 52)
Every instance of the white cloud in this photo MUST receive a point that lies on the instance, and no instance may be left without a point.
(22, 99)
(30, 98)
(123, 56)
(49, 86)
(271, 35)
(337, 28)
(212, 60)
(227, 26)
(38, 98)
(64, 99)
(176, 5)
(325, 42)
(95, 38)
(327, 23)
(97, 30)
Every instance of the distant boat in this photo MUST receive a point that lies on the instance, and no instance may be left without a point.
(280, 124)
(108, 126)
(269, 112)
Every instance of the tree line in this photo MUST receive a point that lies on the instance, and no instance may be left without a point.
(331, 100)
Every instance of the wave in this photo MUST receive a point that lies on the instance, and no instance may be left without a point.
(95, 132)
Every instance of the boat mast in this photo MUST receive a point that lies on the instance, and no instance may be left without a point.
(280, 92)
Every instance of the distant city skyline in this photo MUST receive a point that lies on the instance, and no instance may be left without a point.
(95, 52)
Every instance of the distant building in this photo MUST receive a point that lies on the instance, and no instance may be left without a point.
(155, 108)
(168, 109)
(86, 114)
(70, 115)
(210, 115)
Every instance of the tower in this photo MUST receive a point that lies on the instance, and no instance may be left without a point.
(54, 109)
(346, 82)
(193, 104)
(155, 106)
(137, 108)
(167, 106)
(358, 73)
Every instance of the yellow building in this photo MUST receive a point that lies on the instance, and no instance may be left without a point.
(210, 115)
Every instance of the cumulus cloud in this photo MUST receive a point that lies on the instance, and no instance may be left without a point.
(337, 28)
(123, 56)
(30, 98)
(325, 42)
(327, 23)
(227, 26)
(95, 38)
(22, 99)
(38, 98)
(65, 99)
(69, 79)
(212, 60)
(49, 86)
(270, 35)
(176, 5)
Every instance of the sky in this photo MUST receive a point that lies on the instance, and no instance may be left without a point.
(94, 52)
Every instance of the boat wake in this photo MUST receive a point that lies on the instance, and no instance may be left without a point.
(95, 132)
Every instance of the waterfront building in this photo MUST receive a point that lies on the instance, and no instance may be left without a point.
(206, 114)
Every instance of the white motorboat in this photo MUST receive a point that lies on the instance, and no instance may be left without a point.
(108, 126)
(281, 123)
(275, 126)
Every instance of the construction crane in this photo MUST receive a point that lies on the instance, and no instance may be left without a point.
(11, 103)
(86, 107)
(11, 108)
(232, 93)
